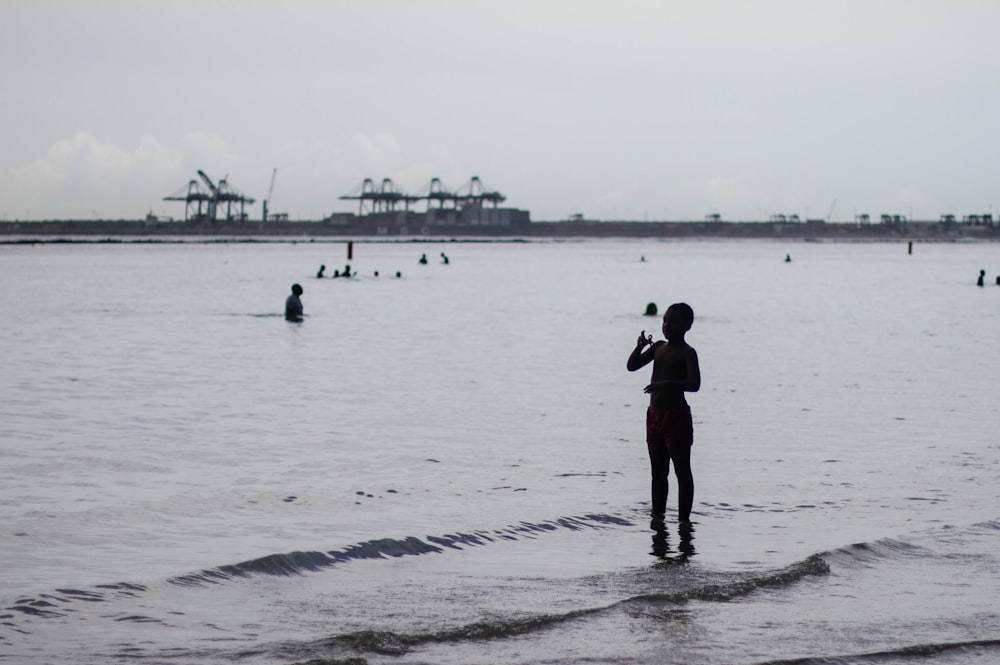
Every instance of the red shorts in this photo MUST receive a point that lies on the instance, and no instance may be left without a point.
(669, 427)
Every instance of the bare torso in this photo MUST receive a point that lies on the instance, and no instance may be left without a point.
(670, 363)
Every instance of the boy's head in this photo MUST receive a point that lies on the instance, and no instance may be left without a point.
(296, 289)
(678, 317)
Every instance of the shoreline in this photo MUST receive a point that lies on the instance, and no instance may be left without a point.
(458, 240)
(139, 231)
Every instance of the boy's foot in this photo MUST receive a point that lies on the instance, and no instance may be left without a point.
(656, 521)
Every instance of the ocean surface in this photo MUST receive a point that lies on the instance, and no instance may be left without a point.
(450, 467)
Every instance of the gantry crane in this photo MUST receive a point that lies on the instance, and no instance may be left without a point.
(476, 193)
(387, 196)
(214, 203)
(199, 202)
(204, 200)
(436, 190)
(383, 198)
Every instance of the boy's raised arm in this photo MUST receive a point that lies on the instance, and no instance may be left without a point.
(640, 356)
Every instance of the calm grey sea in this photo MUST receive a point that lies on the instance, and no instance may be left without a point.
(449, 466)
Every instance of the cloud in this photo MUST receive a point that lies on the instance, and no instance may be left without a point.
(83, 176)
(210, 153)
(80, 176)
(381, 150)
(84, 158)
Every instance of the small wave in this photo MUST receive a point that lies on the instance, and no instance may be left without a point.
(298, 563)
(814, 565)
(867, 555)
(390, 643)
(60, 603)
(919, 650)
(137, 618)
(33, 607)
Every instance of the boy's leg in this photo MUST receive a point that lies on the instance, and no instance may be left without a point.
(659, 466)
(659, 461)
(681, 455)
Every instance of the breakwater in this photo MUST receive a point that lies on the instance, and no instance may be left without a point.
(97, 229)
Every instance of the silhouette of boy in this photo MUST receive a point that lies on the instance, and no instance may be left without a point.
(293, 306)
(669, 431)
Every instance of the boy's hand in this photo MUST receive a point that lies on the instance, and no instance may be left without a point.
(644, 340)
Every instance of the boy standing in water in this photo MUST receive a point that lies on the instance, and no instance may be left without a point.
(293, 306)
(669, 432)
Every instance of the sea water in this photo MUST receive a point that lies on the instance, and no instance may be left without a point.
(449, 466)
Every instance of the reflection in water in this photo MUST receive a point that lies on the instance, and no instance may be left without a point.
(661, 542)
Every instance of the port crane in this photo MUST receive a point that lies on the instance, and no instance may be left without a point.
(477, 193)
(380, 198)
(229, 195)
(387, 196)
(213, 204)
(437, 191)
(277, 216)
(203, 200)
(198, 200)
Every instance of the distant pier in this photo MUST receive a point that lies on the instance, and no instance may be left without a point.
(485, 222)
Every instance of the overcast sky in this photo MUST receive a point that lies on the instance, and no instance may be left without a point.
(615, 110)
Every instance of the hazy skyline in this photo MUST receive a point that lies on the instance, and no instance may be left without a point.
(625, 110)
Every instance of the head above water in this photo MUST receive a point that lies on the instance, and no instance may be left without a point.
(296, 289)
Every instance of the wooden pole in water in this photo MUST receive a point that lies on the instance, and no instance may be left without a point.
(350, 250)
(909, 248)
